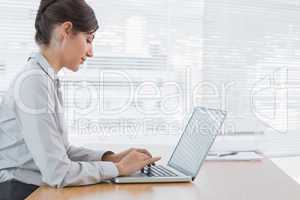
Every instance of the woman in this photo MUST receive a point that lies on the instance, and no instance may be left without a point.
(34, 148)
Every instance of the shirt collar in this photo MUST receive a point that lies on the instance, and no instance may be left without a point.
(44, 64)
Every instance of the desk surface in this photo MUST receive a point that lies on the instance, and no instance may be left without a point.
(247, 180)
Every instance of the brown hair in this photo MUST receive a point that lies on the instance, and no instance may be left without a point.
(55, 12)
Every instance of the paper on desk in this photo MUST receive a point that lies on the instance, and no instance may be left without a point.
(237, 143)
(239, 156)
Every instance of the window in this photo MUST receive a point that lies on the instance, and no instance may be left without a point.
(155, 60)
(251, 57)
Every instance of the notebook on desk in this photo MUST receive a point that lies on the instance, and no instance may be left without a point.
(190, 152)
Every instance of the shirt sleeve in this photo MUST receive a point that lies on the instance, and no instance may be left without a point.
(35, 111)
(84, 154)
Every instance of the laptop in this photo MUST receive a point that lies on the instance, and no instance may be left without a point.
(189, 153)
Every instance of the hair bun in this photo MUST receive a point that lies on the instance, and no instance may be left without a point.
(55, 12)
(45, 4)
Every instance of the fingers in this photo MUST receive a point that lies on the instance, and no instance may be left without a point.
(142, 156)
(145, 151)
(134, 161)
(151, 160)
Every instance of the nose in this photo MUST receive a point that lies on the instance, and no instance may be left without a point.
(90, 52)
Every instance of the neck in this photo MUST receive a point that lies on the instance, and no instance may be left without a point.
(53, 58)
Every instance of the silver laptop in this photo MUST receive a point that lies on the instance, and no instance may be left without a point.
(190, 152)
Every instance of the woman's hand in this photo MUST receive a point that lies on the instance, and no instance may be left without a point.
(117, 157)
(134, 161)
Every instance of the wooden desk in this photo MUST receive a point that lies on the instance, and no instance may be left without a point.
(252, 180)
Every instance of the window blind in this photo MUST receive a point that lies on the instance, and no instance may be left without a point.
(154, 61)
(252, 57)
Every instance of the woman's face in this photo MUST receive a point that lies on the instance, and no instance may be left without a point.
(77, 47)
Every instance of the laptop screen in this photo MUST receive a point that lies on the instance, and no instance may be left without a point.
(196, 140)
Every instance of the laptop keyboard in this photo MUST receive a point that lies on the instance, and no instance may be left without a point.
(158, 171)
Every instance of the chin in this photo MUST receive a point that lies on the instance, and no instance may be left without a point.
(74, 68)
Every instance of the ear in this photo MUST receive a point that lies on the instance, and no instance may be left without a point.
(67, 28)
